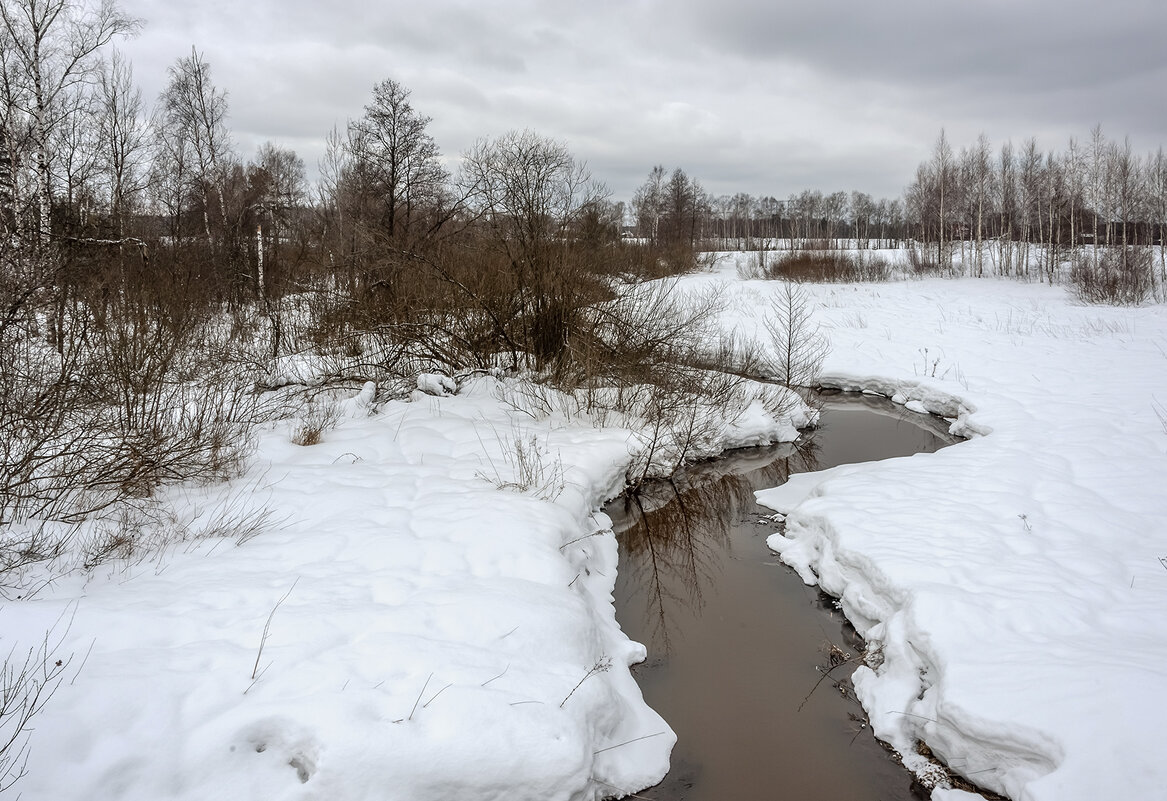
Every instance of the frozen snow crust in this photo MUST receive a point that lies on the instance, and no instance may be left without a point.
(434, 609)
(1013, 584)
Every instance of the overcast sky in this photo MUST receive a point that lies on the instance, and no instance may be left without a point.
(763, 97)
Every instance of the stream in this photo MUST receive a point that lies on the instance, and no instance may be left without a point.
(736, 641)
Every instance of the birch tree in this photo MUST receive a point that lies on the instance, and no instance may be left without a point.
(50, 52)
(980, 194)
(278, 175)
(648, 204)
(193, 135)
(123, 140)
(944, 175)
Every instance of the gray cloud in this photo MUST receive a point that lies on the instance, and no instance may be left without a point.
(768, 98)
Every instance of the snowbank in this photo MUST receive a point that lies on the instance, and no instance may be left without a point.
(428, 618)
(1014, 583)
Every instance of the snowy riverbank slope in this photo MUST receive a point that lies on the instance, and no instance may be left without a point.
(427, 617)
(1015, 583)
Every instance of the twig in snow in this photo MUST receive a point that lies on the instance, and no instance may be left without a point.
(499, 676)
(626, 742)
(419, 695)
(910, 715)
(584, 537)
(266, 630)
(435, 695)
(602, 665)
(83, 661)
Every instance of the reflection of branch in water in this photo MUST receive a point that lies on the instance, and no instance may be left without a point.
(806, 457)
(673, 534)
(665, 558)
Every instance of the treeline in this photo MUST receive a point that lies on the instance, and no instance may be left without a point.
(678, 208)
(1025, 212)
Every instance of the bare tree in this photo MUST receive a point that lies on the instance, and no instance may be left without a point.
(1157, 197)
(1099, 179)
(49, 54)
(193, 137)
(862, 211)
(1074, 168)
(73, 143)
(531, 192)
(648, 204)
(944, 173)
(835, 208)
(279, 179)
(1032, 186)
(395, 160)
(799, 344)
(124, 139)
(980, 174)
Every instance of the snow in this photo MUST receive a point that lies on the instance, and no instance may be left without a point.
(1013, 582)
(435, 384)
(428, 615)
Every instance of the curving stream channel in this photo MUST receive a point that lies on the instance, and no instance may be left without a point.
(735, 638)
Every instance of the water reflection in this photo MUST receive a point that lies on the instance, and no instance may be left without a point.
(734, 637)
(674, 534)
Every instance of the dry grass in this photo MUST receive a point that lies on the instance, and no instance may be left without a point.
(319, 416)
(528, 466)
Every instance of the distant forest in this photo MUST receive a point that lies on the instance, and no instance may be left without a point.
(90, 172)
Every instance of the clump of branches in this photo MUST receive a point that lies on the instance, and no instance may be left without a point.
(136, 531)
(822, 266)
(1119, 276)
(645, 356)
(530, 467)
(123, 404)
(319, 415)
(119, 377)
(922, 261)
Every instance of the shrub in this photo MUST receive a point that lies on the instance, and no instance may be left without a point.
(1120, 276)
(922, 262)
(825, 266)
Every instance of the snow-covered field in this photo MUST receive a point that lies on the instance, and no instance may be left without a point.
(1016, 583)
(428, 616)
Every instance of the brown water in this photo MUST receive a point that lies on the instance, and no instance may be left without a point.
(735, 639)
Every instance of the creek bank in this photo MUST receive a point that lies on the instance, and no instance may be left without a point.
(733, 638)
